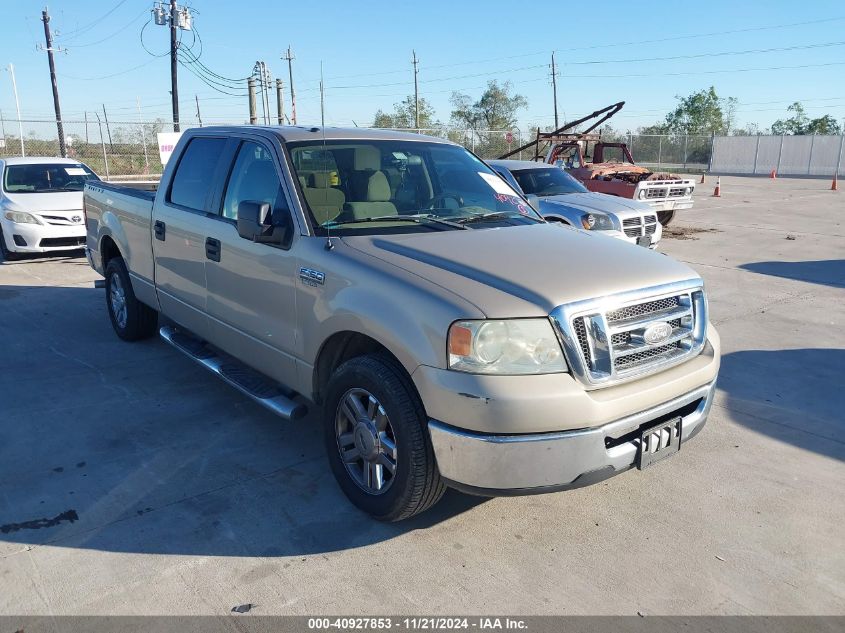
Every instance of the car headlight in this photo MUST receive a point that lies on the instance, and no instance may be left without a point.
(512, 346)
(687, 191)
(641, 194)
(20, 217)
(596, 222)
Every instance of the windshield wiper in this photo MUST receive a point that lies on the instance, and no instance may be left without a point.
(485, 217)
(416, 219)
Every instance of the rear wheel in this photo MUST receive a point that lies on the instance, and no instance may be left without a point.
(8, 255)
(131, 319)
(377, 442)
(665, 217)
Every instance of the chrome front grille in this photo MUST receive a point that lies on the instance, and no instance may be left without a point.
(60, 220)
(621, 337)
(656, 192)
(640, 225)
(674, 192)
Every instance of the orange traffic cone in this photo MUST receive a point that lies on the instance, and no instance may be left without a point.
(702, 178)
(774, 174)
(834, 186)
(717, 192)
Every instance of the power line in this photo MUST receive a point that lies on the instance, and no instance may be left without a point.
(597, 46)
(74, 33)
(121, 72)
(108, 37)
(717, 54)
(596, 62)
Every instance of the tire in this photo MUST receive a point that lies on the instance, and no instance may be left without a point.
(665, 217)
(9, 256)
(396, 417)
(131, 319)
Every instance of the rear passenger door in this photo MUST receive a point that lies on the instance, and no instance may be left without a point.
(180, 223)
(251, 288)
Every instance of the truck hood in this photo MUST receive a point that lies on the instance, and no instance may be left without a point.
(45, 202)
(597, 202)
(524, 271)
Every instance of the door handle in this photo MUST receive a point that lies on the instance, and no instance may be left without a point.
(212, 249)
(159, 229)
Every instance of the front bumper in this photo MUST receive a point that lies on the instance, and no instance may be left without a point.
(545, 462)
(42, 238)
(669, 205)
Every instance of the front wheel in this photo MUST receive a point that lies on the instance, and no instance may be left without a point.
(377, 440)
(131, 319)
(665, 217)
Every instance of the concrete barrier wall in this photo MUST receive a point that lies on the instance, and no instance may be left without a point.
(788, 155)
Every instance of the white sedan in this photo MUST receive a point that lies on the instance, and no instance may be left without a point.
(41, 205)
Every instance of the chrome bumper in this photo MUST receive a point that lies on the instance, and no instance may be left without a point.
(544, 462)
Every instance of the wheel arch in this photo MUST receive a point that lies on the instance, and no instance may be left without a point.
(341, 347)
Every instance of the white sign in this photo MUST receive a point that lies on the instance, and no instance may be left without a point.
(2, 143)
(166, 142)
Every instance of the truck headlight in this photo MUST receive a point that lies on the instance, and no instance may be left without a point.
(512, 346)
(20, 217)
(641, 194)
(596, 222)
(687, 191)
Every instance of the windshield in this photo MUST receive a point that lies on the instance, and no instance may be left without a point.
(398, 186)
(46, 177)
(551, 181)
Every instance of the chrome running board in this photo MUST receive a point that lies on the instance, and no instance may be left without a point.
(249, 382)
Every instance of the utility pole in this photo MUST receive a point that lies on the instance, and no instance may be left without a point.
(253, 116)
(176, 18)
(199, 118)
(554, 87)
(280, 101)
(416, 93)
(11, 69)
(108, 129)
(289, 57)
(48, 37)
(85, 114)
(174, 60)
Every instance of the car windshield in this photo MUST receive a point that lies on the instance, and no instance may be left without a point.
(400, 186)
(46, 177)
(550, 181)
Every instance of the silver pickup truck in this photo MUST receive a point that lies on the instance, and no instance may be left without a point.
(444, 333)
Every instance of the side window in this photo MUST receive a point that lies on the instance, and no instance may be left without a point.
(192, 180)
(254, 178)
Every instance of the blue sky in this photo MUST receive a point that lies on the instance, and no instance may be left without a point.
(365, 48)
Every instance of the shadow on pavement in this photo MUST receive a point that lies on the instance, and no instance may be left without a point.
(121, 447)
(793, 395)
(829, 272)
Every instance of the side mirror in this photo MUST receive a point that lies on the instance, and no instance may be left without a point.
(257, 223)
(534, 201)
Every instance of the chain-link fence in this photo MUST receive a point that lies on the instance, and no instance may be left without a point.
(130, 148)
(665, 152)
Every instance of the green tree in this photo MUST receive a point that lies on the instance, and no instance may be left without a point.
(823, 125)
(702, 112)
(800, 123)
(796, 124)
(496, 109)
(403, 115)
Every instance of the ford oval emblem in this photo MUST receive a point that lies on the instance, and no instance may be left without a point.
(656, 333)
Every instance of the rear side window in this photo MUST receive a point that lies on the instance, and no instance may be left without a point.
(192, 180)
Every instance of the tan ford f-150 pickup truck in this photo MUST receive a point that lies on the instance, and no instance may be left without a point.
(444, 333)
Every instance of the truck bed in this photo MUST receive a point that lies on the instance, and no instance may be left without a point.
(122, 213)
